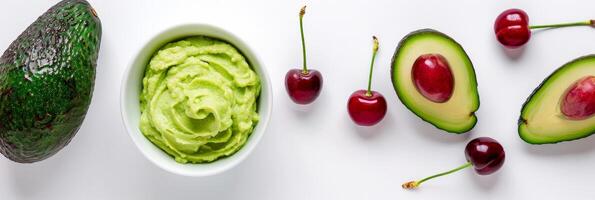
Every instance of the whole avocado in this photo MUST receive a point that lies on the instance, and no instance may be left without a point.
(46, 81)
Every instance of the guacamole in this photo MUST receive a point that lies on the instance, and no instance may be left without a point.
(199, 100)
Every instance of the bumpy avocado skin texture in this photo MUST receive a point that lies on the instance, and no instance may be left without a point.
(471, 74)
(526, 136)
(46, 81)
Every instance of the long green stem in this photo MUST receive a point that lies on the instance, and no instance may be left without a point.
(374, 51)
(581, 23)
(415, 184)
(302, 12)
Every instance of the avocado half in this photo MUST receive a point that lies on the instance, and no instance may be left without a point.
(541, 121)
(457, 115)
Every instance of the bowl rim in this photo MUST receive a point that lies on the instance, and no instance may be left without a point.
(255, 62)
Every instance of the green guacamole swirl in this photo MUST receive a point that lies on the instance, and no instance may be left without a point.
(199, 100)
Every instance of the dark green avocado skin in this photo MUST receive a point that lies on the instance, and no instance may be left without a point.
(46, 81)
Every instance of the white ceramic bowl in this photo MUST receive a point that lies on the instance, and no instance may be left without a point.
(132, 86)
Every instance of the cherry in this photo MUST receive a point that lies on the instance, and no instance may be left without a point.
(485, 154)
(303, 85)
(367, 107)
(513, 31)
(579, 101)
(433, 78)
(512, 28)
(303, 88)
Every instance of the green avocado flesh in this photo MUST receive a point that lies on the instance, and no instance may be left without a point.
(457, 115)
(541, 120)
(199, 100)
(46, 81)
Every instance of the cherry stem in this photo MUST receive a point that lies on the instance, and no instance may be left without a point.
(374, 51)
(581, 23)
(305, 67)
(415, 184)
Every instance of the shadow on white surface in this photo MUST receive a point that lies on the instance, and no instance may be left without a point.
(513, 54)
(302, 110)
(371, 132)
(576, 147)
(429, 131)
(488, 182)
(33, 178)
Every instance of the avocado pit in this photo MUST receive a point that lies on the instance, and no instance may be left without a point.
(578, 102)
(432, 77)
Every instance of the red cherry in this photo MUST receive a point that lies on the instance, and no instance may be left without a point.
(433, 78)
(486, 155)
(303, 88)
(579, 101)
(366, 109)
(512, 28)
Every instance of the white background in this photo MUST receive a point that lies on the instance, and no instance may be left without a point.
(320, 153)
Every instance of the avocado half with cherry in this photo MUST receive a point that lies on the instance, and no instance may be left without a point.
(435, 79)
(562, 107)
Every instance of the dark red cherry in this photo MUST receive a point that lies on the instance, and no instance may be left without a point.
(579, 101)
(432, 76)
(303, 88)
(303, 85)
(366, 110)
(485, 154)
(512, 28)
